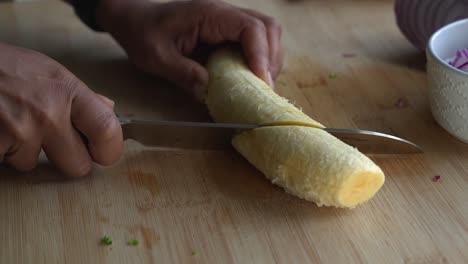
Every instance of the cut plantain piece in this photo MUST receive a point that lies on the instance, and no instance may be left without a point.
(311, 164)
(293, 152)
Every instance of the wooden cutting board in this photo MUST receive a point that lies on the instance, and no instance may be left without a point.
(213, 202)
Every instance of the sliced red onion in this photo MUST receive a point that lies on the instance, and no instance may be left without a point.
(460, 60)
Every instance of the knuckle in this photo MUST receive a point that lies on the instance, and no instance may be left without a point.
(57, 73)
(45, 117)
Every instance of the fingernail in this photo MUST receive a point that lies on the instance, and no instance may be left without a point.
(270, 80)
(106, 100)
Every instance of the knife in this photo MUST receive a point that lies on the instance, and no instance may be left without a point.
(200, 135)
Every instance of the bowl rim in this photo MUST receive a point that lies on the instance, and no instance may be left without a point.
(432, 40)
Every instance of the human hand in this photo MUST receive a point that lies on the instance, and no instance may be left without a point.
(160, 37)
(44, 106)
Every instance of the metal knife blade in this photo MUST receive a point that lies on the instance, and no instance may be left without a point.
(184, 135)
(199, 135)
(371, 142)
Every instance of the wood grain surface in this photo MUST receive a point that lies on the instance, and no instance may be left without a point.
(213, 202)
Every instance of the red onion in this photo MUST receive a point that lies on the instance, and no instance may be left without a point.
(419, 19)
(460, 61)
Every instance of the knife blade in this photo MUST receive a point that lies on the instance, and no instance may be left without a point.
(204, 135)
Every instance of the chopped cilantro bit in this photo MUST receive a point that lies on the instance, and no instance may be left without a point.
(332, 75)
(195, 252)
(133, 242)
(105, 240)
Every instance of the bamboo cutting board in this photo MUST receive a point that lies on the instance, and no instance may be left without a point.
(214, 203)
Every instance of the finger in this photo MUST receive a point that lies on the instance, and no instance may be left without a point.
(254, 42)
(98, 123)
(274, 32)
(183, 71)
(25, 157)
(106, 100)
(248, 30)
(67, 151)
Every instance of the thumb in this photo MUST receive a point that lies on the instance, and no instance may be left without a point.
(186, 73)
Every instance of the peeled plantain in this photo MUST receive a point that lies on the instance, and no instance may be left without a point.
(292, 151)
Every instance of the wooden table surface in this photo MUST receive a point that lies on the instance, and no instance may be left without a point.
(213, 202)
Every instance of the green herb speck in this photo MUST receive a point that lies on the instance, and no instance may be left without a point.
(195, 252)
(133, 242)
(105, 240)
(332, 75)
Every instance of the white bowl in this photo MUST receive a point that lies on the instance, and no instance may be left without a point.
(448, 86)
